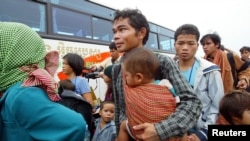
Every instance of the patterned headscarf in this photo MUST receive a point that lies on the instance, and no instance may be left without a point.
(22, 58)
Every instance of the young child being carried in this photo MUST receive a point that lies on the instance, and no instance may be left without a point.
(146, 100)
(235, 107)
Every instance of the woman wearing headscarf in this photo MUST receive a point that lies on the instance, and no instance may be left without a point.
(28, 108)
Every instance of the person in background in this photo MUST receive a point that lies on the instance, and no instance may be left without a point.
(202, 75)
(235, 107)
(107, 77)
(76, 102)
(73, 67)
(131, 30)
(245, 53)
(147, 99)
(28, 108)
(114, 58)
(105, 128)
(211, 46)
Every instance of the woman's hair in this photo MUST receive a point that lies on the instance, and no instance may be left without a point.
(76, 62)
(141, 60)
(234, 104)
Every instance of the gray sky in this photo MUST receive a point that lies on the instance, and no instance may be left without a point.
(229, 18)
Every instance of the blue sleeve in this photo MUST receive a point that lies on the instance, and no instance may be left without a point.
(202, 134)
(44, 119)
(82, 86)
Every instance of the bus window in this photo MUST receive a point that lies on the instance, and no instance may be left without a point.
(152, 41)
(166, 43)
(100, 33)
(27, 12)
(77, 24)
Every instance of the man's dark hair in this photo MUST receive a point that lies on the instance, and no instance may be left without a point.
(112, 46)
(187, 29)
(136, 19)
(76, 62)
(244, 48)
(214, 37)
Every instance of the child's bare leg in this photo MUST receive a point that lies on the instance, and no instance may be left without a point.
(123, 133)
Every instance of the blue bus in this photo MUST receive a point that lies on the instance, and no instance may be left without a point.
(78, 26)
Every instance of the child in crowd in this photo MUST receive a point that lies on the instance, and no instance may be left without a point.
(235, 107)
(105, 128)
(146, 101)
(76, 102)
(66, 86)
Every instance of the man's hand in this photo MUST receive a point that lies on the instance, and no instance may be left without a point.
(93, 68)
(148, 132)
(242, 84)
(192, 137)
(101, 74)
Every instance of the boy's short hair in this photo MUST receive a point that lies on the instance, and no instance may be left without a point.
(106, 102)
(142, 60)
(66, 85)
(234, 104)
(187, 29)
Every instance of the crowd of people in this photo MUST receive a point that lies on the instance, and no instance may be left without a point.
(150, 97)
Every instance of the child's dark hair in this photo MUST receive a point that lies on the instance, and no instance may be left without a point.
(67, 84)
(234, 104)
(141, 60)
(106, 102)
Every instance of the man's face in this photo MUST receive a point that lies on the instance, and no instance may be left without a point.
(114, 54)
(125, 36)
(209, 47)
(245, 55)
(186, 46)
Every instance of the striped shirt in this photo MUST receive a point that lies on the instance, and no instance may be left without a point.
(187, 111)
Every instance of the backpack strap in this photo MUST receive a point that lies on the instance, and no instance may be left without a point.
(244, 66)
(233, 69)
